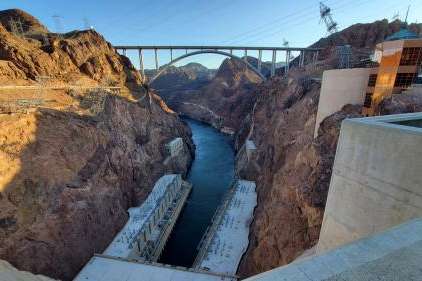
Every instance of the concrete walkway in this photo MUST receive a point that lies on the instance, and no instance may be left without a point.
(389, 256)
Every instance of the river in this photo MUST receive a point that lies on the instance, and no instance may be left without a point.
(211, 173)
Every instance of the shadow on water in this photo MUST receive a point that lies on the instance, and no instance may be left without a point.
(211, 174)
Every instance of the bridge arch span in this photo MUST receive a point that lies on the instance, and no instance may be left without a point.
(162, 69)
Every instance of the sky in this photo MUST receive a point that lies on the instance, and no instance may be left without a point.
(205, 22)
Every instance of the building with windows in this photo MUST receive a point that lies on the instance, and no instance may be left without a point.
(399, 59)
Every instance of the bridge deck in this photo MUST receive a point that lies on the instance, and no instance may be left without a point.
(191, 47)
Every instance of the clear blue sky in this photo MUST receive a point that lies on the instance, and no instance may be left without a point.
(203, 22)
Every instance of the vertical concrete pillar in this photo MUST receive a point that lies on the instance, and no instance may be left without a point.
(245, 57)
(186, 51)
(231, 51)
(300, 59)
(259, 60)
(287, 61)
(141, 63)
(273, 63)
(124, 52)
(156, 59)
(171, 54)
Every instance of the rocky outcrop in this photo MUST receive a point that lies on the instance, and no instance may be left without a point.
(404, 103)
(78, 57)
(22, 19)
(72, 161)
(224, 102)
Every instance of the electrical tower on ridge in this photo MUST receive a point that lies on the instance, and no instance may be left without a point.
(326, 16)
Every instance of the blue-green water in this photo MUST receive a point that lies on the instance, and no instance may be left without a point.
(211, 173)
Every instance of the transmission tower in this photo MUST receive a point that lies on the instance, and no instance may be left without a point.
(327, 18)
(16, 26)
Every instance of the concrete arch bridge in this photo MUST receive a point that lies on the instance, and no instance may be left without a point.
(227, 51)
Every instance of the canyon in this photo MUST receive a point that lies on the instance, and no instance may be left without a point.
(71, 168)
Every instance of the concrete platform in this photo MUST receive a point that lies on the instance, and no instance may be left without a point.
(393, 255)
(103, 268)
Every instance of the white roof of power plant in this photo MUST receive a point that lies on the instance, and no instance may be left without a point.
(111, 269)
(230, 240)
(125, 239)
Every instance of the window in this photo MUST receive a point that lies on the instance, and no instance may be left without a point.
(372, 80)
(404, 80)
(368, 100)
(411, 56)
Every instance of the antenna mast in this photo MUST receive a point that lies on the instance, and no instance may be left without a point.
(326, 16)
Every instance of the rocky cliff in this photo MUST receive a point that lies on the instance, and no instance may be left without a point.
(75, 154)
(224, 101)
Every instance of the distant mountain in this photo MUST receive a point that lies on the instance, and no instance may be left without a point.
(189, 76)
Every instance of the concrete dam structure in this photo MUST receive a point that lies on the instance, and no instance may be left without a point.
(376, 180)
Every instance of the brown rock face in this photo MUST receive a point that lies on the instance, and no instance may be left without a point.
(70, 58)
(223, 102)
(70, 168)
(294, 171)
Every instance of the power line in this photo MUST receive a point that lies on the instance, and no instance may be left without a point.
(285, 18)
(302, 20)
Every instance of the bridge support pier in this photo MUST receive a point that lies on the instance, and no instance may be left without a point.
(259, 60)
(273, 63)
(246, 56)
(302, 59)
(156, 59)
(171, 54)
(315, 59)
(287, 67)
(141, 63)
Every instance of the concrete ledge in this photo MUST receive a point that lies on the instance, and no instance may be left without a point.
(392, 255)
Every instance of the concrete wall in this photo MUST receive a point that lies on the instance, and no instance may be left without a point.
(376, 181)
(340, 87)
